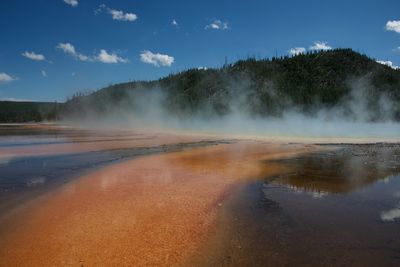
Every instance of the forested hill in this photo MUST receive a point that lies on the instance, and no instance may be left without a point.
(341, 80)
(12, 111)
(306, 83)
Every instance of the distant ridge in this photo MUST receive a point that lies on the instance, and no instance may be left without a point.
(305, 83)
(28, 111)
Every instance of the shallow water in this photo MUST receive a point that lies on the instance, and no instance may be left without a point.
(38, 158)
(150, 211)
(242, 203)
(338, 208)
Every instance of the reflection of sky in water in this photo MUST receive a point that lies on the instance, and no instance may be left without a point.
(306, 226)
(298, 190)
(317, 194)
(24, 141)
(392, 214)
(347, 172)
(383, 192)
(313, 193)
(35, 181)
(4, 161)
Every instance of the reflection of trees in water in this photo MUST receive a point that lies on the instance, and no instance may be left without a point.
(340, 171)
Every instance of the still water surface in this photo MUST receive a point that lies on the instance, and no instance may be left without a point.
(337, 208)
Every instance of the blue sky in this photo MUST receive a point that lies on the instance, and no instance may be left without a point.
(52, 48)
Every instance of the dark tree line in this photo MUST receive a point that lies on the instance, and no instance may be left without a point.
(268, 87)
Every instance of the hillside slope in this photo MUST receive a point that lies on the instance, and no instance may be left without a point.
(338, 82)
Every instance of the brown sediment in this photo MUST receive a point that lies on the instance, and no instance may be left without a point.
(151, 211)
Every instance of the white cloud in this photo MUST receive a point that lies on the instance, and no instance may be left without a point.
(82, 57)
(297, 51)
(320, 46)
(217, 25)
(5, 78)
(117, 14)
(105, 57)
(317, 46)
(44, 73)
(67, 48)
(33, 56)
(156, 59)
(71, 2)
(389, 64)
(393, 25)
(70, 50)
(174, 23)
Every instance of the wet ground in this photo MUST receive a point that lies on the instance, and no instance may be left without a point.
(124, 199)
(26, 175)
(23, 178)
(336, 208)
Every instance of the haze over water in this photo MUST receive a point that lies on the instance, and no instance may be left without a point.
(206, 201)
(200, 133)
